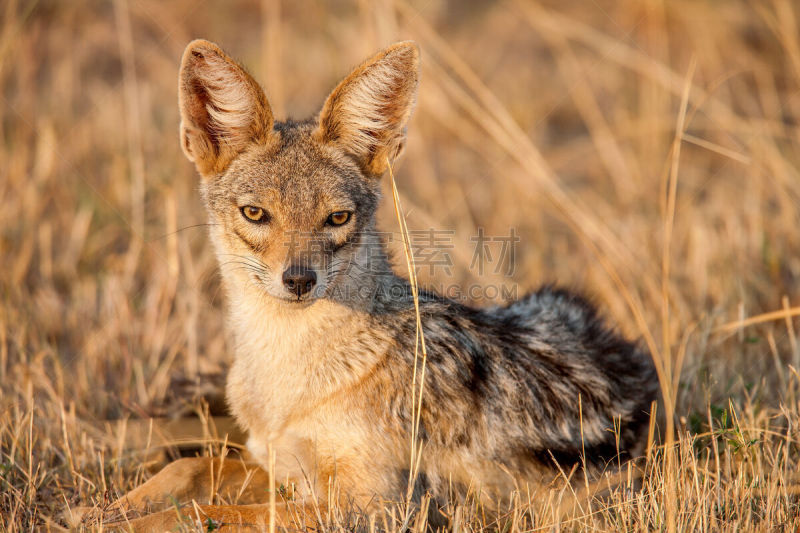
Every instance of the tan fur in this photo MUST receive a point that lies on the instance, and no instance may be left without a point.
(323, 378)
(223, 109)
(368, 110)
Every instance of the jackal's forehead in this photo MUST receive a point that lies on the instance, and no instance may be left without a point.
(295, 178)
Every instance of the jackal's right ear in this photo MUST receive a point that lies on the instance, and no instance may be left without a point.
(366, 114)
(223, 109)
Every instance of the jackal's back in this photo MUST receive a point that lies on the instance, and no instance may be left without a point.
(540, 380)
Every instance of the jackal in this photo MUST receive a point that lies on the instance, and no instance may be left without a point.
(326, 334)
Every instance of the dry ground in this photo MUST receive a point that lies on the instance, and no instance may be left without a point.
(645, 152)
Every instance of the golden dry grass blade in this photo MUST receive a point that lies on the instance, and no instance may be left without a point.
(783, 314)
(417, 393)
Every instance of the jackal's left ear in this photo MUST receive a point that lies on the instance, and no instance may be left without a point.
(223, 109)
(366, 114)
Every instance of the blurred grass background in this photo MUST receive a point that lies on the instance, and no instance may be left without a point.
(644, 152)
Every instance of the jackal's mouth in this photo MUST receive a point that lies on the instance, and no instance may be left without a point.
(298, 302)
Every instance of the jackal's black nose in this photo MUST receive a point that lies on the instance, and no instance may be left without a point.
(299, 280)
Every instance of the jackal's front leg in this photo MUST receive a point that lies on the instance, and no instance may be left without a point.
(287, 517)
(199, 480)
(196, 481)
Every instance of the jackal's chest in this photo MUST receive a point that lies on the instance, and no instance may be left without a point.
(285, 385)
(268, 380)
(284, 362)
(265, 388)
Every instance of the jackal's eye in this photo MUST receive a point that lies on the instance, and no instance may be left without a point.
(254, 214)
(338, 218)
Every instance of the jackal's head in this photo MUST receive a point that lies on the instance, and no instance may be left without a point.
(291, 203)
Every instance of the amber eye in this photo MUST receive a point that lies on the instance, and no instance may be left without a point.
(254, 214)
(338, 218)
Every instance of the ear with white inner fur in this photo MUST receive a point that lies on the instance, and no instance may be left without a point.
(366, 114)
(223, 108)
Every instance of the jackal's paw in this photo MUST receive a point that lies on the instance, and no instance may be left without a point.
(75, 517)
(83, 517)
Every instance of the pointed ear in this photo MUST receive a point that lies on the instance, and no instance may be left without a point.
(223, 108)
(366, 114)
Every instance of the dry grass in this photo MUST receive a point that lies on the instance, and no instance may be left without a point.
(643, 151)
